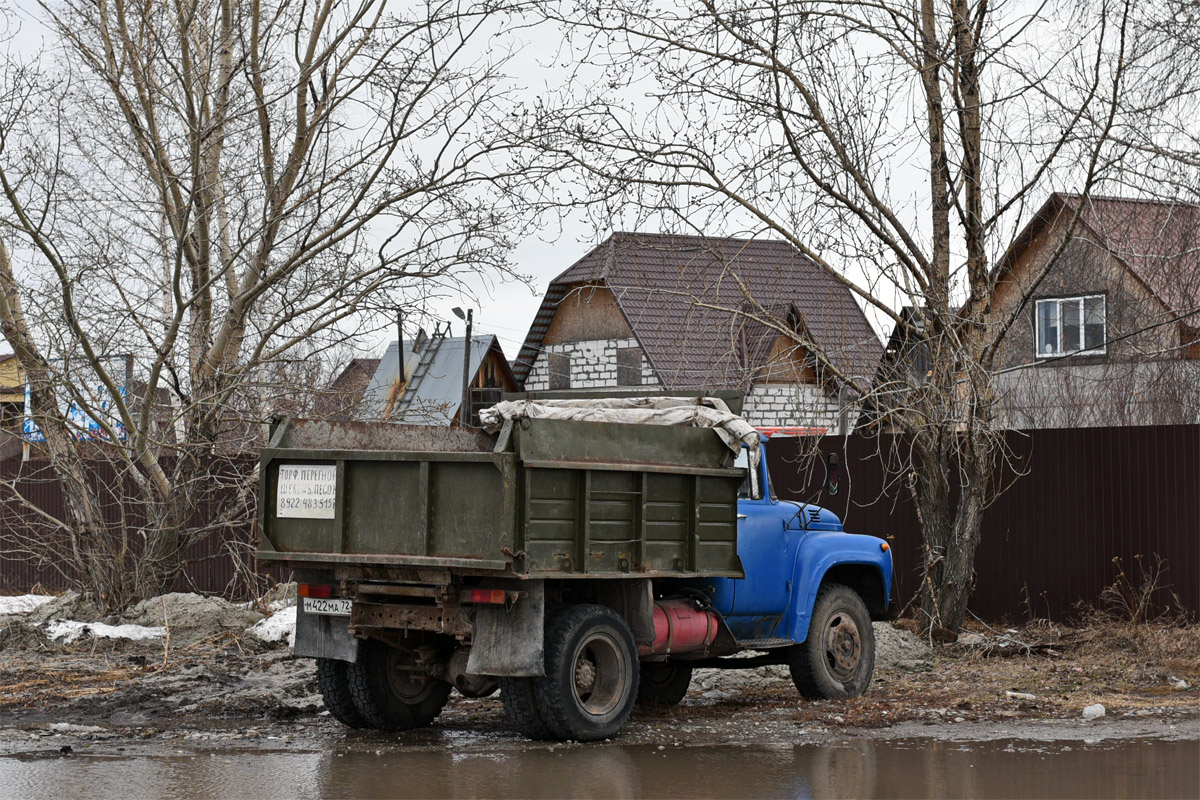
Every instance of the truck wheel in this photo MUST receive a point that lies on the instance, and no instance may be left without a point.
(387, 695)
(662, 684)
(520, 703)
(838, 657)
(591, 677)
(335, 691)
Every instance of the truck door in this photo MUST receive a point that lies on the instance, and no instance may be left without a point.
(762, 546)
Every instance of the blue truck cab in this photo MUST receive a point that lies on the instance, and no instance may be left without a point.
(810, 589)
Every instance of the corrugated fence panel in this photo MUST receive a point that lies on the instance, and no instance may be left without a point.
(221, 564)
(1079, 498)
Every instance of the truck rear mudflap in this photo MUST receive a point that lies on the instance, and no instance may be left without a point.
(500, 621)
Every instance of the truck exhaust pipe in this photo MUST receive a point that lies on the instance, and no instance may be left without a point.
(679, 627)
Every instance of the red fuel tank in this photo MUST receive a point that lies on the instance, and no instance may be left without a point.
(679, 628)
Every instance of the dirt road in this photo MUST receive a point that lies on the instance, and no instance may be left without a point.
(218, 687)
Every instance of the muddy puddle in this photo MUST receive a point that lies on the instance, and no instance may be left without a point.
(855, 768)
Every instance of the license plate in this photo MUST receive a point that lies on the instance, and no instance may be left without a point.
(337, 606)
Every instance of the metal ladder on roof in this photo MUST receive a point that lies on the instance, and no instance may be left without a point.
(425, 357)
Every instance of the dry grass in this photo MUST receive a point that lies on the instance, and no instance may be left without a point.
(1128, 667)
(37, 687)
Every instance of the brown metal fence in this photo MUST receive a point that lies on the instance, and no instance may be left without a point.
(1079, 498)
(222, 564)
(1083, 498)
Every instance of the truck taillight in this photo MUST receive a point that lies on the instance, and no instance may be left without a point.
(314, 590)
(496, 596)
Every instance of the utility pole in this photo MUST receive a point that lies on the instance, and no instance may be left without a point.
(400, 341)
(464, 414)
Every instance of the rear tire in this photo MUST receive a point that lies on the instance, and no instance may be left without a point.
(662, 684)
(334, 683)
(838, 657)
(591, 679)
(388, 696)
(520, 703)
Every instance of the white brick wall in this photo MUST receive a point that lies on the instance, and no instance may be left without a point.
(791, 405)
(593, 364)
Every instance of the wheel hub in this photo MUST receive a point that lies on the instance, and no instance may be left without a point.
(585, 676)
(599, 675)
(843, 645)
(404, 682)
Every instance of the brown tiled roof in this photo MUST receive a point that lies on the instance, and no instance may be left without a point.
(1159, 241)
(677, 292)
(346, 390)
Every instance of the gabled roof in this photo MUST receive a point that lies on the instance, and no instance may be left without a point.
(1159, 241)
(345, 392)
(677, 292)
(434, 369)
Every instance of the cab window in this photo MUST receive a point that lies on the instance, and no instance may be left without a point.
(750, 487)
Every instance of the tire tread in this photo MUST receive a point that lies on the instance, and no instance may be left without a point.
(670, 693)
(520, 703)
(371, 701)
(334, 685)
(550, 700)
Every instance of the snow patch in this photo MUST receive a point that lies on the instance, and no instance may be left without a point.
(277, 627)
(67, 727)
(22, 604)
(67, 631)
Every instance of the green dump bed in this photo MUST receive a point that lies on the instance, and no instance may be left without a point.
(543, 498)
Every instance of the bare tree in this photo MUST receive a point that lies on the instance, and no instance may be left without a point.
(898, 145)
(220, 188)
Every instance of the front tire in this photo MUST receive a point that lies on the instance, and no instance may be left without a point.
(591, 679)
(838, 657)
(390, 696)
(662, 684)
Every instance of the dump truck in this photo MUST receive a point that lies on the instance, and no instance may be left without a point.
(580, 561)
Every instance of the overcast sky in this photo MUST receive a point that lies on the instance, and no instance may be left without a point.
(504, 309)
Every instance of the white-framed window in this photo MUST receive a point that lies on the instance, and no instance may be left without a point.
(1071, 325)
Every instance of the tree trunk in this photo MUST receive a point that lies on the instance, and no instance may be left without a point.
(951, 489)
(98, 560)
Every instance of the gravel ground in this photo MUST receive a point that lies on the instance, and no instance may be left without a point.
(212, 684)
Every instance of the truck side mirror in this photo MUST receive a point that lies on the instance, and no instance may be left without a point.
(833, 473)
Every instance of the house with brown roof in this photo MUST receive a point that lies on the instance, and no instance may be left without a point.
(696, 313)
(340, 399)
(1111, 336)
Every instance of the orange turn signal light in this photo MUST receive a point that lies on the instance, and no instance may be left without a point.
(884, 546)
